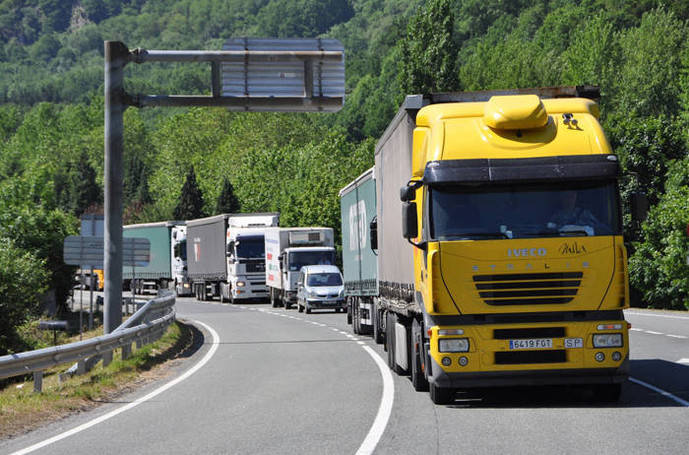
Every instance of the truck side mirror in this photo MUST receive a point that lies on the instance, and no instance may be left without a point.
(639, 207)
(410, 228)
(230, 248)
(373, 233)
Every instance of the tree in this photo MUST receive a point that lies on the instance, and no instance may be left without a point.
(190, 205)
(84, 191)
(429, 51)
(23, 279)
(227, 201)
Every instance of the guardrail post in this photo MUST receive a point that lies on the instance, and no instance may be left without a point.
(81, 367)
(38, 381)
(126, 351)
(107, 358)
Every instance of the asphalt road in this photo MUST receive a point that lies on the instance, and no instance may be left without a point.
(278, 381)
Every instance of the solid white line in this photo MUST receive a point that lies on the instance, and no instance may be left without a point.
(385, 409)
(681, 337)
(684, 361)
(660, 391)
(156, 392)
(653, 333)
(657, 315)
(634, 329)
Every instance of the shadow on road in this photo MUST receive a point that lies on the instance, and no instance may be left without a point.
(669, 376)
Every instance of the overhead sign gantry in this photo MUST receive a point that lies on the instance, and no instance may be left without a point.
(249, 74)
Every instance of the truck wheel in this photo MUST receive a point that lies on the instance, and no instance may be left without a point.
(308, 309)
(607, 393)
(390, 340)
(377, 331)
(349, 311)
(273, 303)
(441, 395)
(286, 304)
(356, 327)
(300, 308)
(418, 377)
(221, 293)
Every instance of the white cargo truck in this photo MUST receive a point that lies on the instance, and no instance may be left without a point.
(287, 251)
(178, 264)
(225, 255)
(246, 264)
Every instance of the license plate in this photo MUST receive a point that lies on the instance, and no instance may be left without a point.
(537, 343)
(573, 343)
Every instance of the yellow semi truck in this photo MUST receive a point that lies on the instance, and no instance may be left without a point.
(505, 263)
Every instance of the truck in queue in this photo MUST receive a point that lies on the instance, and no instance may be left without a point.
(287, 251)
(180, 279)
(158, 274)
(359, 261)
(500, 254)
(225, 256)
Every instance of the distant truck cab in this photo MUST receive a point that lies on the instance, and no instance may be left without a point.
(320, 287)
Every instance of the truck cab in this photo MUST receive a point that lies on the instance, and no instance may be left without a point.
(178, 264)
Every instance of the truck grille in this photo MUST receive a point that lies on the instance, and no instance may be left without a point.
(522, 357)
(255, 266)
(528, 288)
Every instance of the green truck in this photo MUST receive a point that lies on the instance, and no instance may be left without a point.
(158, 273)
(359, 262)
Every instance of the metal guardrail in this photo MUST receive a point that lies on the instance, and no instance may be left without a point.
(146, 325)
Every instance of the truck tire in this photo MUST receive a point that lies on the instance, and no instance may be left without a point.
(349, 310)
(390, 340)
(273, 303)
(221, 293)
(378, 335)
(418, 376)
(441, 395)
(308, 309)
(356, 327)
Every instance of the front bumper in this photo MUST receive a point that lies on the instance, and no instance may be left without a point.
(326, 303)
(471, 379)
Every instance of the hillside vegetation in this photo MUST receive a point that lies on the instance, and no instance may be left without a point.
(51, 117)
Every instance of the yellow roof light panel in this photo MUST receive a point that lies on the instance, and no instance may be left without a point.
(515, 112)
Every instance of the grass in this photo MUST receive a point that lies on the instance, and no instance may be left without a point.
(22, 410)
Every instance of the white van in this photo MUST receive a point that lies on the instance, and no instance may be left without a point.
(320, 287)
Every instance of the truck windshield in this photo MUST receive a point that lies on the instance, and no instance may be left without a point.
(252, 247)
(298, 259)
(522, 211)
(324, 279)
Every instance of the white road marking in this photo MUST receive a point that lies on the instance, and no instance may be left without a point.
(660, 391)
(683, 361)
(657, 315)
(634, 329)
(653, 333)
(681, 337)
(385, 408)
(156, 392)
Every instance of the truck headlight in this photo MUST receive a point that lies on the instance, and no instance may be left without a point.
(453, 345)
(607, 340)
(241, 284)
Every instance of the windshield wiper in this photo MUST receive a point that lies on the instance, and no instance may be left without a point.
(479, 234)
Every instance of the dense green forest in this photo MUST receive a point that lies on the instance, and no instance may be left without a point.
(51, 117)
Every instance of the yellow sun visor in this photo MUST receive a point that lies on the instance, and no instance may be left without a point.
(516, 112)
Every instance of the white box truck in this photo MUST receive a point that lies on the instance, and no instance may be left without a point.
(287, 251)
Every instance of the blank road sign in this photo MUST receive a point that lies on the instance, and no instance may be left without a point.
(88, 251)
(300, 77)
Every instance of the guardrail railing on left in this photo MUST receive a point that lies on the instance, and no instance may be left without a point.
(145, 326)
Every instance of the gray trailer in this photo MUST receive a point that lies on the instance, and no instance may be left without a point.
(359, 255)
(213, 261)
(158, 273)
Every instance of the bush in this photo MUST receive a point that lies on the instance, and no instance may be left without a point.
(23, 279)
